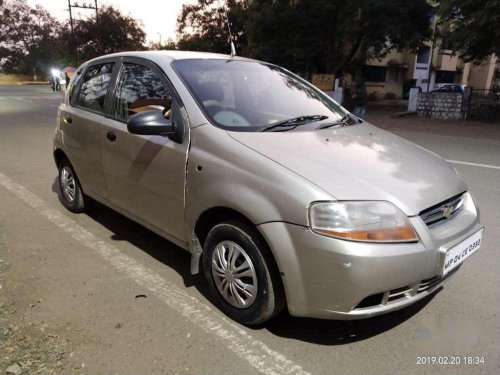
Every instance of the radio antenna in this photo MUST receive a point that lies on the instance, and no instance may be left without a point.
(233, 49)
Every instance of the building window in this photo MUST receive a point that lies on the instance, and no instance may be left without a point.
(446, 76)
(423, 55)
(392, 74)
(374, 73)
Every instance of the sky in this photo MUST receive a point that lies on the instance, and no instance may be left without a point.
(157, 16)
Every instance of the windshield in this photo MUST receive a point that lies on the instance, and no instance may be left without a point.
(251, 96)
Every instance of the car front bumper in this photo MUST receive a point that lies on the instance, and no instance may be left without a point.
(336, 279)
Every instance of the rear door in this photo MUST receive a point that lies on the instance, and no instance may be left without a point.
(80, 122)
(145, 175)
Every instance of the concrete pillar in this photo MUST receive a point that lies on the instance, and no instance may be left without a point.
(465, 74)
(412, 101)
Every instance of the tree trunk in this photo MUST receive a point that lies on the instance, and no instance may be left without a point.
(350, 55)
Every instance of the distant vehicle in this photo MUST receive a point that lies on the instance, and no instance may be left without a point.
(282, 197)
(454, 88)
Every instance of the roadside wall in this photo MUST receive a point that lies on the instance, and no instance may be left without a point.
(486, 110)
(440, 105)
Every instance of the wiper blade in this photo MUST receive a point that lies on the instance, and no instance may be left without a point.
(294, 122)
(344, 121)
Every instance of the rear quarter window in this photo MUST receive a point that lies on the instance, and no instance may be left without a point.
(94, 87)
(73, 88)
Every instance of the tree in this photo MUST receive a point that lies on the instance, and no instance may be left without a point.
(170, 44)
(471, 27)
(27, 38)
(203, 26)
(307, 35)
(325, 35)
(114, 32)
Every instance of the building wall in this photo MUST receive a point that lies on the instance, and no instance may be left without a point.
(444, 63)
(481, 76)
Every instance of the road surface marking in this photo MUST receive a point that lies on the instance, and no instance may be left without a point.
(236, 339)
(21, 99)
(474, 164)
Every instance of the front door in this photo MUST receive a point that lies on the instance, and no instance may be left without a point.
(145, 175)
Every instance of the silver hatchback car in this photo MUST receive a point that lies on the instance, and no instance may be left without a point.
(282, 197)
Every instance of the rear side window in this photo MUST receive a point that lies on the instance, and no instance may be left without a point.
(139, 89)
(94, 86)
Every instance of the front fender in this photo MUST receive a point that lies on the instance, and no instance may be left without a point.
(222, 172)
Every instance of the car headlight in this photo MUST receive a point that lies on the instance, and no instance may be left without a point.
(372, 221)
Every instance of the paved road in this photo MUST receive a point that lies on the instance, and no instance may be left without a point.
(97, 293)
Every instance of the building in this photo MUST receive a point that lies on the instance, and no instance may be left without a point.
(399, 71)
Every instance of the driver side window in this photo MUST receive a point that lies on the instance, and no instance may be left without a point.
(139, 89)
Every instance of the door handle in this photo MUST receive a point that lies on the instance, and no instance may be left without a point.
(67, 119)
(111, 136)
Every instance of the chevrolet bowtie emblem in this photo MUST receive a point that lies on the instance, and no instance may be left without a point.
(447, 211)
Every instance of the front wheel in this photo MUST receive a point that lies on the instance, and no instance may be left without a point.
(241, 274)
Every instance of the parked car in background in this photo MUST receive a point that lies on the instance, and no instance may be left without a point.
(454, 88)
(282, 197)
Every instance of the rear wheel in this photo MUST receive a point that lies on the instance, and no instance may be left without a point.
(241, 274)
(71, 194)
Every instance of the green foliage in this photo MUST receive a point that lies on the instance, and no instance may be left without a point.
(307, 35)
(202, 26)
(32, 41)
(114, 32)
(474, 27)
(27, 38)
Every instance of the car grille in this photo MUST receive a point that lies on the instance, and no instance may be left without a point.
(443, 211)
(409, 291)
(398, 293)
(428, 284)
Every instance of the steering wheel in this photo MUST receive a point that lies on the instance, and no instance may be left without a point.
(214, 106)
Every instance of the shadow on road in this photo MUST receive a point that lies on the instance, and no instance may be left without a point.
(317, 331)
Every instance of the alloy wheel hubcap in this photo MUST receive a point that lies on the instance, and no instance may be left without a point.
(234, 274)
(68, 184)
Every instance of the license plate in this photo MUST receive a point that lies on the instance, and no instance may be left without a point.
(458, 253)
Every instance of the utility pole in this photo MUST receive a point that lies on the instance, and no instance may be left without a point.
(96, 12)
(82, 6)
(73, 44)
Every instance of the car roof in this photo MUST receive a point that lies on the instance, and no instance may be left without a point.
(169, 55)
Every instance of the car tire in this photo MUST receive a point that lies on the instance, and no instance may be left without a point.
(260, 279)
(70, 190)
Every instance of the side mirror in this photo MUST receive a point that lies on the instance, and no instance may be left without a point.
(150, 123)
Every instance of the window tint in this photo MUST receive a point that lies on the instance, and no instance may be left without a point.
(94, 86)
(139, 89)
